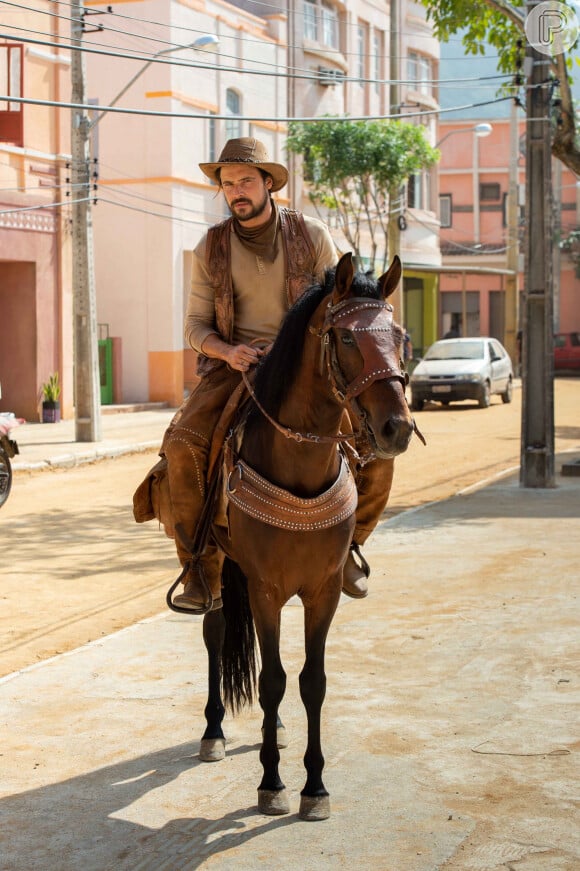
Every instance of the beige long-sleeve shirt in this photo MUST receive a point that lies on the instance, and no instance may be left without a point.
(260, 300)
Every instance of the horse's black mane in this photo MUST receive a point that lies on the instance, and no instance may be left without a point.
(277, 371)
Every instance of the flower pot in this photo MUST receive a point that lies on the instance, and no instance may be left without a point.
(50, 411)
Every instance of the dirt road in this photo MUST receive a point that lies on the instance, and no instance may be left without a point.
(76, 566)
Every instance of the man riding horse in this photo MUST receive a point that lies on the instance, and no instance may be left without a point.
(247, 272)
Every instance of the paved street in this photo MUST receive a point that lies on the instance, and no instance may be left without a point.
(450, 726)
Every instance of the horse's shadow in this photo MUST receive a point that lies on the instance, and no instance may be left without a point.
(79, 820)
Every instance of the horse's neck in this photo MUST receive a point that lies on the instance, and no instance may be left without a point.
(303, 467)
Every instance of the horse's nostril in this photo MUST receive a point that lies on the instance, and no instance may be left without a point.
(399, 427)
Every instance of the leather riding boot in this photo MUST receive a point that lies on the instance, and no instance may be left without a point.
(202, 583)
(354, 575)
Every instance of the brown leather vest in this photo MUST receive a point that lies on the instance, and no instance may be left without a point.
(299, 259)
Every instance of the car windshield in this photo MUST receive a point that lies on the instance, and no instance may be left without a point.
(450, 350)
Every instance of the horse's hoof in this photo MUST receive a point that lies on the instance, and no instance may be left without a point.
(314, 808)
(273, 802)
(212, 749)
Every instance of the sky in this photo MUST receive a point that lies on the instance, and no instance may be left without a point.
(462, 90)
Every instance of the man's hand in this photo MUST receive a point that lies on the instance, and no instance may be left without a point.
(243, 357)
(239, 357)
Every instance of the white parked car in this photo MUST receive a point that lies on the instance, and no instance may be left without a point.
(457, 369)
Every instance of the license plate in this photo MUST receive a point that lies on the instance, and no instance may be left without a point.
(441, 388)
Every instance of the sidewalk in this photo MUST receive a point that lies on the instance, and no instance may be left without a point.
(125, 428)
(450, 727)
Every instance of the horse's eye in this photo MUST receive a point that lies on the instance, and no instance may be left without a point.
(347, 339)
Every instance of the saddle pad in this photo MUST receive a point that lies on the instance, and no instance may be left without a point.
(256, 496)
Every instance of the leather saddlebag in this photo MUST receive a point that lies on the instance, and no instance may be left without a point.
(151, 498)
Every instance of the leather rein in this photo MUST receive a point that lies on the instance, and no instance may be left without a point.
(362, 317)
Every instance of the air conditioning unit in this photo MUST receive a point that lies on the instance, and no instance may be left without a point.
(329, 76)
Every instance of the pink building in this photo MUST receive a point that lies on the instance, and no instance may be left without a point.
(476, 243)
(35, 284)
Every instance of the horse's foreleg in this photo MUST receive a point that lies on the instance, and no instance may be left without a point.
(272, 798)
(213, 743)
(315, 801)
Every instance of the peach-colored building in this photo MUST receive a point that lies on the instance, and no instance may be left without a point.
(154, 203)
(482, 153)
(35, 284)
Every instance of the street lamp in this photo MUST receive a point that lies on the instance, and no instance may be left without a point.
(479, 130)
(86, 362)
(203, 43)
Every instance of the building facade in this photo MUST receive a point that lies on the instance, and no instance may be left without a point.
(482, 238)
(313, 60)
(35, 273)
(200, 72)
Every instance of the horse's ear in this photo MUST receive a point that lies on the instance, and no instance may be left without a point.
(390, 279)
(343, 278)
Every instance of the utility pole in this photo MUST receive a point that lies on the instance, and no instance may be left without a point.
(537, 442)
(395, 194)
(87, 397)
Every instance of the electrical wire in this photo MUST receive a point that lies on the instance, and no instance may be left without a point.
(270, 7)
(91, 107)
(46, 206)
(150, 213)
(277, 71)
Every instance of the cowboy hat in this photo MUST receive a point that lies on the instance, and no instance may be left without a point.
(251, 151)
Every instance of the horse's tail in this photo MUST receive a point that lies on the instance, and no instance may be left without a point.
(239, 648)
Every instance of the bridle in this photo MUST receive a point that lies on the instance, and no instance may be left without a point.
(362, 317)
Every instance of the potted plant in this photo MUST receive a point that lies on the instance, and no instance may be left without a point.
(50, 400)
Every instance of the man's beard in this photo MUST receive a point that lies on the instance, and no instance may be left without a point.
(254, 212)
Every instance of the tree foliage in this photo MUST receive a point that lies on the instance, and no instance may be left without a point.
(501, 24)
(356, 169)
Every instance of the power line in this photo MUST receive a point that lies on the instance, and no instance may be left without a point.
(267, 6)
(277, 71)
(91, 107)
(153, 214)
(45, 206)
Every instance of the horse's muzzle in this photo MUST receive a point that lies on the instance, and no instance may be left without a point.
(393, 438)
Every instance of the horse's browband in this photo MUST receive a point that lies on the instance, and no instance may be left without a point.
(360, 316)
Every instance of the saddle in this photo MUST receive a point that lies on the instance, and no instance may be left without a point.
(232, 481)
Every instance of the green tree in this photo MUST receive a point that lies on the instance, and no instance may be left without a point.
(357, 168)
(502, 25)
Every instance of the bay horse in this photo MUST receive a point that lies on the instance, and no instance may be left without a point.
(291, 506)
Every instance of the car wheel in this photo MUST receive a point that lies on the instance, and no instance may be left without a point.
(485, 395)
(506, 396)
(417, 404)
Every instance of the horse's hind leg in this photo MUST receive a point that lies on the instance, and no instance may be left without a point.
(272, 798)
(315, 801)
(213, 742)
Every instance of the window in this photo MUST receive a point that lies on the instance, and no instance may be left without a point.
(415, 191)
(360, 53)
(321, 22)
(11, 117)
(233, 124)
(489, 191)
(445, 209)
(420, 73)
(329, 26)
(310, 23)
(211, 137)
(377, 57)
